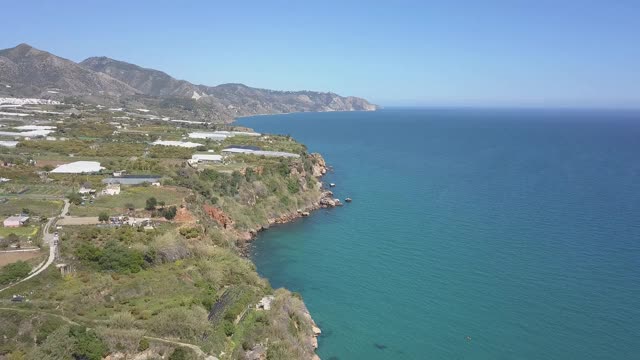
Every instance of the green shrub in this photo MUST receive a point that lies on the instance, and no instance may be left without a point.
(179, 354)
(13, 272)
(228, 327)
(114, 257)
(190, 232)
(75, 198)
(170, 213)
(144, 345)
(103, 217)
(151, 203)
(87, 344)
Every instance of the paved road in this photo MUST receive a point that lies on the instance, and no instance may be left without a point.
(49, 239)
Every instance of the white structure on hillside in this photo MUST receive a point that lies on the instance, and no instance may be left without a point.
(265, 303)
(111, 189)
(260, 152)
(205, 158)
(85, 190)
(78, 167)
(8, 143)
(221, 135)
(35, 127)
(186, 144)
(15, 221)
(210, 136)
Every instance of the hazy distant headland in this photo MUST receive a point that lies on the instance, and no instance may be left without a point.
(28, 72)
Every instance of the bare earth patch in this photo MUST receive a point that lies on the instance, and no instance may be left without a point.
(7, 258)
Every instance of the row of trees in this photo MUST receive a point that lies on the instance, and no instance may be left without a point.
(169, 213)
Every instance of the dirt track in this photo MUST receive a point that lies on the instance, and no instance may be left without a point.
(78, 220)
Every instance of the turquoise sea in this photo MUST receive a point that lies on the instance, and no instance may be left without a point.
(473, 234)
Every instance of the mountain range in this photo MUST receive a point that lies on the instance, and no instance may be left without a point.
(29, 72)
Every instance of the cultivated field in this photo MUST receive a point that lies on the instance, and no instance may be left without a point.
(33, 190)
(46, 208)
(134, 195)
(11, 257)
(23, 231)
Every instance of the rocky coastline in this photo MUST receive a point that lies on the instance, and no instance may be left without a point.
(323, 201)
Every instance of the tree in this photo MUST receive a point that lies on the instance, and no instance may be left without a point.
(162, 203)
(103, 217)
(170, 213)
(26, 211)
(130, 206)
(13, 238)
(151, 203)
(75, 198)
(56, 346)
(87, 344)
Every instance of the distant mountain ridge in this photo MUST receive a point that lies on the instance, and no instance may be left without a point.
(30, 71)
(26, 71)
(148, 81)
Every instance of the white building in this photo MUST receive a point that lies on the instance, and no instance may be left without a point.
(186, 144)
(85, 190)
(260, 152)
(78, 167)
(8, 143)
(210, 136)
(206, 158)
(111, 189)
(220, 135)
(15, 221)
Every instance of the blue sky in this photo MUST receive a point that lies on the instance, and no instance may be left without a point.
(449, 53)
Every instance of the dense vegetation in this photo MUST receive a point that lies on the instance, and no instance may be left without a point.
(13, 272)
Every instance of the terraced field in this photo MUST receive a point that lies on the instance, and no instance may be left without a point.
(33, 190)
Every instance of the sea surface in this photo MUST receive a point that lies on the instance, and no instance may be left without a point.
(473, 234)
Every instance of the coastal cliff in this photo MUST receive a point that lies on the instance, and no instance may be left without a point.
(178, 286)
(319, 199)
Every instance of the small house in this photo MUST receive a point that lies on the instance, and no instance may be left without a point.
(111, 189)
(86, 189)
(15, 221)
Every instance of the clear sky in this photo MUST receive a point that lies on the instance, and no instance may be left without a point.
(477, 53)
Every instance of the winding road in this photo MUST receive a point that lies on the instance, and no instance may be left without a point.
(49, 239)
(52, 241)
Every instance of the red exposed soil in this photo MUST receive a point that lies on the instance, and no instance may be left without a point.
(218, 215)
(184, 216)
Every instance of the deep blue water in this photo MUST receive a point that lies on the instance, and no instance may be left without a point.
(517, 228)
